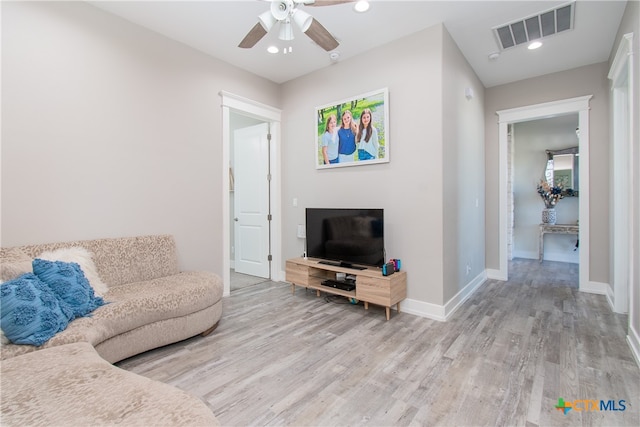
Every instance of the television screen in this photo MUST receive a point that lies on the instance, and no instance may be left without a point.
(350, 237)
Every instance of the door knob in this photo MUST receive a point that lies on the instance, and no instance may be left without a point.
(235, 219)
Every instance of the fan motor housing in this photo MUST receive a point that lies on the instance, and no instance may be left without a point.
(281, 9)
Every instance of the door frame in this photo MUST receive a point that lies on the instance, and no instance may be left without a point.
(247, 107)
(579, 105)
(623, 226)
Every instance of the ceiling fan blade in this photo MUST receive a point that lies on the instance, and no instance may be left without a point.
(253, 36)
(321, 36)
(327, 2)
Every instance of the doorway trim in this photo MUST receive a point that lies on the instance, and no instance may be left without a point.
(273, 116)
(622, 224)
(579, 105)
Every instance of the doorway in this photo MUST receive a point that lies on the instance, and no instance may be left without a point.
(506, 118)
(239, 113)
(250, 247)
(532, 144)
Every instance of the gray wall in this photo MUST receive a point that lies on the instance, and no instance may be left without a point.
(111, 130)
(411, 187)
(588, 80)
(463, 163)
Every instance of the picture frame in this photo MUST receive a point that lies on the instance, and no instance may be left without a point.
(353, 141)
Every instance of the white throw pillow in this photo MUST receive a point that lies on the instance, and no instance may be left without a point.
(13, 263)
(82, 257)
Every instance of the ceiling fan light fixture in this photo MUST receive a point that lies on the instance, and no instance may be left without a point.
(303, 19)
(267, 20)
(286, 31)
(281, 9)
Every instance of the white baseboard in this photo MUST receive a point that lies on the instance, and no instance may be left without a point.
(610, 297)
(423, 309)
(595, 288)
(525, 254)
(495, 274)
(570, 257)
(458, 299)
(633, 338)
(443, 312)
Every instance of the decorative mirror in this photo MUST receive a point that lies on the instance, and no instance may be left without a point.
(562, 170)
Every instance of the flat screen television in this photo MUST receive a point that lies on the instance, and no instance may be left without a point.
(346, 237)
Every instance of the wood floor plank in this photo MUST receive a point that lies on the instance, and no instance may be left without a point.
(504, 358)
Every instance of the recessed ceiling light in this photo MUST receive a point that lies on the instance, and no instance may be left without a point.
(273, 49)
(534, 45)
(361, 6)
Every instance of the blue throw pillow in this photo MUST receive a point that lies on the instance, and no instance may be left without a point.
(68, 282)
(31, 312)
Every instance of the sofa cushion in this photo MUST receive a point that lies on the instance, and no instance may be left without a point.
(13, 263)
(67, 281)
(31, 312)
(137, 304)
(83, 258)
(73, 385)
(126, 259)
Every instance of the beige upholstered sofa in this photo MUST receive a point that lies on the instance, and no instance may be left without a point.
(71, 385)
(151, 303)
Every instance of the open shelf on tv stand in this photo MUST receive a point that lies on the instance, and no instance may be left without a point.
(371, 286)
(342, 264)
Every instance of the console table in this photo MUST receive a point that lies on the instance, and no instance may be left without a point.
(371, 286)
(554, 229)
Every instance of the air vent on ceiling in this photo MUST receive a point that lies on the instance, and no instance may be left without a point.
(539, 26)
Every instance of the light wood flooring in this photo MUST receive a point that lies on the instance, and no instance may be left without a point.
(239, 280)
(504, 358)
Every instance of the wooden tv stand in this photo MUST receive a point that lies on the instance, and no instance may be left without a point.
(371, 286)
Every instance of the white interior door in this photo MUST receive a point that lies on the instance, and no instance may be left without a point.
(251, 206)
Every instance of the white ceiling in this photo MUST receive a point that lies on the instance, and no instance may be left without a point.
(216, 27)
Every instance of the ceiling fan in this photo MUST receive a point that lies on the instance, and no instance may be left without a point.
(285, 11)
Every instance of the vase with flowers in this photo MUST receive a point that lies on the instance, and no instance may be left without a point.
(550, 195)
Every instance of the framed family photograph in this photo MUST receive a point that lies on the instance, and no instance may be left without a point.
(353, 131)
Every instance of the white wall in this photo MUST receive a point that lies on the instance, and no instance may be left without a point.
(532, 138)
(111, 130)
